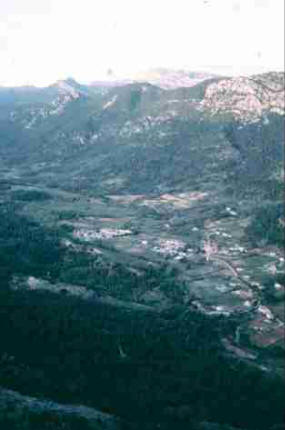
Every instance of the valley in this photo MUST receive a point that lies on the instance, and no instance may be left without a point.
(142, 259)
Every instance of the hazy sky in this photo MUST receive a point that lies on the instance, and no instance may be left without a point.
(45, 40)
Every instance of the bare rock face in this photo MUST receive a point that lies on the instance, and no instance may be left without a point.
(246, 98)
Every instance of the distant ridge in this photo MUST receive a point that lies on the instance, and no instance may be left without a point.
(171, 79)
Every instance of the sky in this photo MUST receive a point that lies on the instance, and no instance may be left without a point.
(42, 41)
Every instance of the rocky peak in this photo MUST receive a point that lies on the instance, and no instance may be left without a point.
(68, 87)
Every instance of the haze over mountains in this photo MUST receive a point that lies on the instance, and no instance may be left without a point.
(162, 77)
(141, 251)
